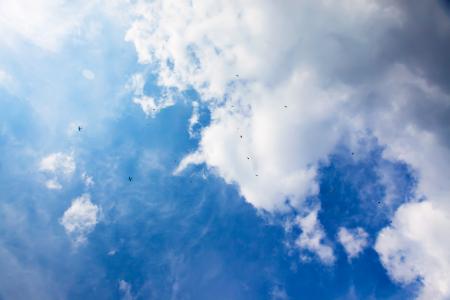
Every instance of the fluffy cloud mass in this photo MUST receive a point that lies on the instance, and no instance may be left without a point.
(284, 87)
(80, 219)
(58, 163)
(421, 232)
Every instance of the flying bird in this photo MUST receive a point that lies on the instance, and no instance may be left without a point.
(79, 128)
(130, 178)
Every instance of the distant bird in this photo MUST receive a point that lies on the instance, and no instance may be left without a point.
(285, 106)
(248, 157)
(237, 75)
(353, 153)
(130, 178)
(241, 136)
(79, 128)
(256, 175)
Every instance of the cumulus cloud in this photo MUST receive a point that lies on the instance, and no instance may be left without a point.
(80, 219)
(354, 240)
(313, 237)
(416, 247)
(284, 87)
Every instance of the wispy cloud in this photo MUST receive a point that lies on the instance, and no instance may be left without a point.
(312, 237)
(353, 240)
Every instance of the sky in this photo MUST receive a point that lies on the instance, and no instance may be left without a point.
(199, 149)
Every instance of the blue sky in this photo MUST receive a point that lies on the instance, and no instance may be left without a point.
(296, 150)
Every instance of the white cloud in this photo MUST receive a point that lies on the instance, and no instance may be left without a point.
(193, 120)
(248, 60)
(354, 240)
(80, 219)
(150, 106)
(88, 180)
(53, 184)
(125, 288)
(45, 23)
(112, 252)
(58, 163)
(312, 237)
(416, 246)
(59, 166)
(266, 148)
(88, 74)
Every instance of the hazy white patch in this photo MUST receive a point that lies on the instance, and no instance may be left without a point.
(136, 84)
(416, 246)
(193, 120)
(150, 160)
(45, 23)
(278, 293)
(88, 180)
(7, 81)
(125, 288)
(312, 237)
(88, 74)
(353, 240)
(80, 219)
(53, 184)
(112, 252)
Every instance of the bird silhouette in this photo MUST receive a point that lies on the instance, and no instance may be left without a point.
(79, 128)
(130, 178)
